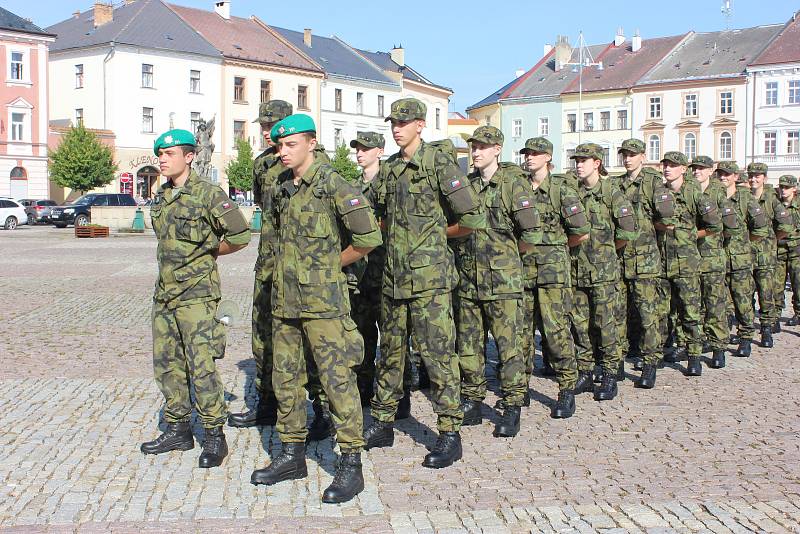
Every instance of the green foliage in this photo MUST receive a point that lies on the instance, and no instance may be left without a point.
(344, 165)
(240, 170)
(81, 162)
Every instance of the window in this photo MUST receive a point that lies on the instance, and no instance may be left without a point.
(194, 81)
(572, 162)
(605, 120)
(438, 119)
(17, 66)
(194, 120)
(17, 126)
(793, 142)
(337, 100)
(302, 96)
(770, 142)
(725, 145)
(654, 148)
(79, 117)
(238, 89)
(571, 122)
(238, 131)
(544, 126)
(380, 105)
(79, 76)
(690, 105)
(622, 119)
(794, 92)
(620, 158)
(147, 120)
(726, 103)
(147, 75)
(488, 120)
(606, 157)
(337, 137)
(519, 159)
(655, 107)
(516, 128)
(690, 145)
(771, 94)
(588, 122)
(266, 91)
(360, 103)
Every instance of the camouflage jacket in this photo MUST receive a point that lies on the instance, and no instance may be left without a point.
(488, 260)
(791, 243)
(315, 221)
(611, 216)
(189, 226)
(690, 211)
(562, 215)
(417, 200)
(712, 254)
(372, 278)
(642, 257)
(742, 217)
(766, 250)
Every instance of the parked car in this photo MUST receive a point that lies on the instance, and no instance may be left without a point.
(37, 210)
(12, 213)
(80, 211)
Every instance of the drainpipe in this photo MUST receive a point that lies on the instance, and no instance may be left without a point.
(105, 61)
(753, 123)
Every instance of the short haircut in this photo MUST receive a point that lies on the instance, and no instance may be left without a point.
(187, 149)
(310, 135)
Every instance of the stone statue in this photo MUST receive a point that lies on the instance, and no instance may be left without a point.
(205, 149)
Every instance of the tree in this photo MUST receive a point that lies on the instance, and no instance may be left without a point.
(81, 162)
(240, 170)
(344, 165)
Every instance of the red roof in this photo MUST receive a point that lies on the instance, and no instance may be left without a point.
(785, 48)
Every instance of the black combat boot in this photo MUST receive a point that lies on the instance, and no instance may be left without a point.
(424, 379)
(348, 480)
(322, 425)
(776, 328)
(607, 389)
(508, 426)
(215, 448)
(379, 434)
(584, 383)
(472, 412)
(648, 378)
(446, 451)
(693, 368)
(265, 413)
(621, 371)
(597, 374)
(177, 437)
(366, 393)
(794, 320)
(717, 359)
(638, 364)
(745, 348)
(289, 465)
(766, 337)
(404, 407)
(526, 398)
(565, 405)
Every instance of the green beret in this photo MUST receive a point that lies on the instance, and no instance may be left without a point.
(538, 144)
(368, 140)
(174, 138)
(293, 124)
(588, 150)
(273, 111)
(635, 146)
(407, 109)
(486, 134)
(757, 168)
(675, 157)
(728, 167)
(787, 180)
(702, 161)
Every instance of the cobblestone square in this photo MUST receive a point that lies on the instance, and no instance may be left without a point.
(719, 453)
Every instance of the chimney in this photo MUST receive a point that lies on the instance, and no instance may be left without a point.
(518, 73)
(547, 49)
(636, 42)
(103, 13)
(399, 55)
(620, 37)
(563, 51)
(223, 9)
(77, 14)
(307, 37)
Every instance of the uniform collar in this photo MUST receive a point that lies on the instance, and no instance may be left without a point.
(311, 172)
(185, 189)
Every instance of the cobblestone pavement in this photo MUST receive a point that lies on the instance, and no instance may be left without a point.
(718, 453)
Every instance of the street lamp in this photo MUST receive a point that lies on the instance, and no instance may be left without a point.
(585, 60)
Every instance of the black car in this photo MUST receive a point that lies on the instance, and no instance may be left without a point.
(38, 210)
(80, 211)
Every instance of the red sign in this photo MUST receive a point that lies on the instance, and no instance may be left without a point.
(125, 178)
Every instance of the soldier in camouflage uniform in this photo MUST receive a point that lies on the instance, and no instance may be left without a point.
(564, 225)
(323, 224)
(423, 198)
(195, 222)
(766, 250)
(789, 249)
(684, 215)
(490, 288)
(595, 271)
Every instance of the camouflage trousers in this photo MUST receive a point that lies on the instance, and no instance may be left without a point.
(337, 349)
(504, 319)
(186, 340)
(595, 327)
(686, 302)
(365, 309)
(639, 314)
(431, 320)
(553, 307)
(715, 309)
(741, 288)
(769, 311)
(530, 321)
(787, 264)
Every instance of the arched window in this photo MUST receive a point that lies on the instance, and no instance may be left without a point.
(725, 145)
(690, 145)
(19, 173)
(654, 148)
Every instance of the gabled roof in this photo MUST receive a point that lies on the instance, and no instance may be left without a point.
(240, 38)
(335, 57)
(146, 23)
(622, 67)
(12, 22)
(384, 60)
(786, 46)
(712, 55)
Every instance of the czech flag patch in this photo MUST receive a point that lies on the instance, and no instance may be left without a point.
(226, 205)
(354, 202)
(524, 204)
(455, 183)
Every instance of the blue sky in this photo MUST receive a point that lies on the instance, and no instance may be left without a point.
(474, 47)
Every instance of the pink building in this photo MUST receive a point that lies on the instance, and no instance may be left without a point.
(23, 116)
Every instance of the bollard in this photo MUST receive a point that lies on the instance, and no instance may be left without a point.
(255, 225)
(138, 220)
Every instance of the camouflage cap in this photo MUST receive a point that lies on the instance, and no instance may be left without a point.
(728, 167)
(757, 168)
(273, 111)
(486, 134)
(674, 156)
(742, 178)
(588, 150)
(368, 140)
(293, 124)
(407, 109)
(787, 180)
(632, 145)
(175, 137)
(538, 144)
(702, 161)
